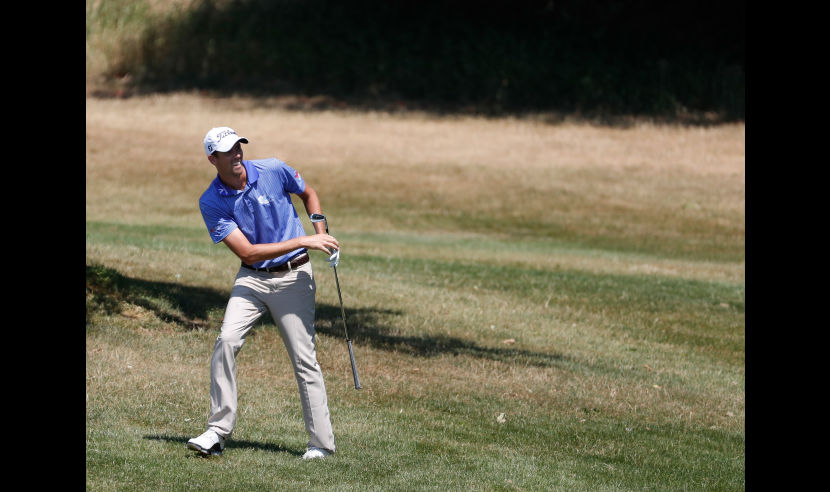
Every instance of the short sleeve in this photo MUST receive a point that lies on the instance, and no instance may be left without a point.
(219, 224)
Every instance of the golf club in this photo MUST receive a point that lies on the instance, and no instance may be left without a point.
(322, 218)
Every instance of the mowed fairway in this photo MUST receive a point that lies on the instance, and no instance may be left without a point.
(533, 306)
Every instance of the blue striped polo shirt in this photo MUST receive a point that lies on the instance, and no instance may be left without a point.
(263, 211)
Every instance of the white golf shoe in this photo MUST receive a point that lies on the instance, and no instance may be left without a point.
(314, 452)
(209, 443)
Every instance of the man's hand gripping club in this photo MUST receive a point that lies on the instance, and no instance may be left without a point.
(334, 259)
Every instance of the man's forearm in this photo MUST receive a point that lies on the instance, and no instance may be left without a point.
(312, 206)
(254, 253)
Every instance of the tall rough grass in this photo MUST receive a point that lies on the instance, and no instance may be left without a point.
(663, 59)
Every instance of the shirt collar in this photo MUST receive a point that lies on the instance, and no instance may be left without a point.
(223, 190)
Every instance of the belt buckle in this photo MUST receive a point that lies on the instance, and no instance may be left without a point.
(281, 268)
(289, 265)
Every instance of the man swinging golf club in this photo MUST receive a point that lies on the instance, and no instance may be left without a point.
(248, 207)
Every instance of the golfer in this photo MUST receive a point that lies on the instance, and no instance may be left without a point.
(248, 207)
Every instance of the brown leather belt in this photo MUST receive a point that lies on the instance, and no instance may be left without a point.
(301, 259)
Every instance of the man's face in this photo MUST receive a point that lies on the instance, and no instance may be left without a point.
(228, 163)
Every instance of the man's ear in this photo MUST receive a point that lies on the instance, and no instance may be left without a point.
(212, 159)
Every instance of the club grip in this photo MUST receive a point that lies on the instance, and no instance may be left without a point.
(354, 366)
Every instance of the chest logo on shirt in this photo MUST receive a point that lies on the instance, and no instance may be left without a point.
(262, 199)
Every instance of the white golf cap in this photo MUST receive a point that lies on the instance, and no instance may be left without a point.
(222, 139)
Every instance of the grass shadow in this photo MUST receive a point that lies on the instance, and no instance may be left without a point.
(231, 444)
(366, 328)
(183, 305)
(190, 308)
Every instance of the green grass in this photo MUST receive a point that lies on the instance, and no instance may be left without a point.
(612, 360)
(428, 334)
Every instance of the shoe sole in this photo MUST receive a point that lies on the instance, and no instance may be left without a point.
(205, 452)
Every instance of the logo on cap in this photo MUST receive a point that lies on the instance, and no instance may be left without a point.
(223, 134)
(215, 137)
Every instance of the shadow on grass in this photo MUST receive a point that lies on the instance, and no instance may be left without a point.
(182, 305)
(189, 307)
(231, 444)
(365, 328)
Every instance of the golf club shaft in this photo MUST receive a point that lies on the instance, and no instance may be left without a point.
(322, 218)
(346, 331)
(354, 366)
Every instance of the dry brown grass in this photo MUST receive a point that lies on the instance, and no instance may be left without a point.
(580, 353)
(145, 165)
(667, 183)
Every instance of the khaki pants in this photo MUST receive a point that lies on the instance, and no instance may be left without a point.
(289, 296)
